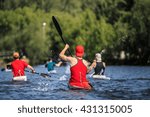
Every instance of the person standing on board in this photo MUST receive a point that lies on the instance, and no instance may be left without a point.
(18, 66)
(78, 68)
(98, 65)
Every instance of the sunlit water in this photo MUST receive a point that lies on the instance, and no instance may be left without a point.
(127, 82)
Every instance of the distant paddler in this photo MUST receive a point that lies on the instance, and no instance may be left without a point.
(18, 66)
(99, 67)
(51, 64)
(7, 68)
(78, 68)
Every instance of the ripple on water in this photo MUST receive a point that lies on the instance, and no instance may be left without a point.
(126, 82)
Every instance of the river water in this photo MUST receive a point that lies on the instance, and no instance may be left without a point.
(127, 83)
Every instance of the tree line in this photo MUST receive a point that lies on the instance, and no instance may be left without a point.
(119, 27)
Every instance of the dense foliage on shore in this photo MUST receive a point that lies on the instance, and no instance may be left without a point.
(119, 27)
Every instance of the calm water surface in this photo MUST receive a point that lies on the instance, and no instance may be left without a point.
(127, 83)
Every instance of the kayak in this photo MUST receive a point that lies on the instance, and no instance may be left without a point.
(101, 77)
(20, 78)
(89, 88)
(6, 70)
(52, 72)
(78, 88)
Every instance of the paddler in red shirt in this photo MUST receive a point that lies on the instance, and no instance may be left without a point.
(78, 68)
(18, 66)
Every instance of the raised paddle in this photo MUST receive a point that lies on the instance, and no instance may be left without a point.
(41, 74)
(57, 26)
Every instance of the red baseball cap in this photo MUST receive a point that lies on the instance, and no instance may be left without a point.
(79, 50)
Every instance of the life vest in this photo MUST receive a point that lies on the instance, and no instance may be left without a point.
(78, 76)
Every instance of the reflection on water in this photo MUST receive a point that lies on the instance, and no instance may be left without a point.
(127, 82)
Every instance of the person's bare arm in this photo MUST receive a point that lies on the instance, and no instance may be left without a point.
(70, 59)
(62, 53)
(58, 64)
(104, 64)
(92, 66)
(30, 67)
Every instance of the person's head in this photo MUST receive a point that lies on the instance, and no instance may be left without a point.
(98, 57)
(79, 51)
(50, 59)
(16, 55)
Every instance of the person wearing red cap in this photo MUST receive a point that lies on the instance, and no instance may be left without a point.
(18, 66)
(78, 68)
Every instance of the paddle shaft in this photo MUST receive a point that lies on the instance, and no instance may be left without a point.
(41, 74)
(65, 44)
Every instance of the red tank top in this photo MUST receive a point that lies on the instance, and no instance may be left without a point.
(78, 74)
(18, 67)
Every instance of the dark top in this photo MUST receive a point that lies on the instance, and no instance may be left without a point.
(99, 68)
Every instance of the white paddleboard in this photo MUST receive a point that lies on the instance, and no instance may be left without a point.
(20, 78)
(101, 77)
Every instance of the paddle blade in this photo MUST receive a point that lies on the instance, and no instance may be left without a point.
(59, 30)
(57, 25)
(41, 74)
(45, 75)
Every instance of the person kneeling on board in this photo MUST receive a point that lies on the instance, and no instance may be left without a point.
(18, 66)
(98, 65)
(78, 68)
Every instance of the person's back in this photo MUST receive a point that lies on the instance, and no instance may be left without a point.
(78, 74)
(18, 67)
(78, 69)
(50, 66)
(99, 68)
